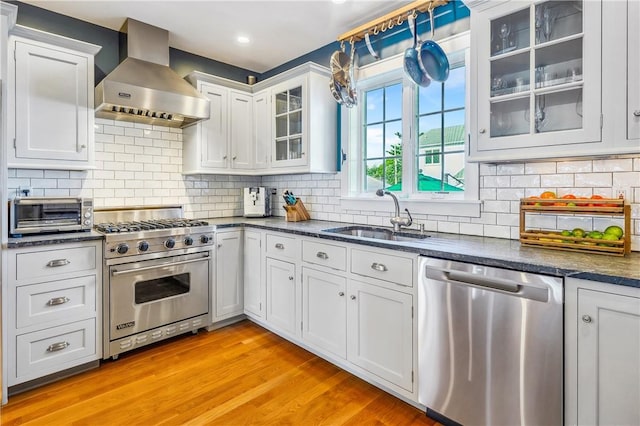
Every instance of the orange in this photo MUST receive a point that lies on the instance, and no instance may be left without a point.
(569, 197)
(597, 197)
(548, 195)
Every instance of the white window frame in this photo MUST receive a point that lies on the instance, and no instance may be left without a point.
(389, 71)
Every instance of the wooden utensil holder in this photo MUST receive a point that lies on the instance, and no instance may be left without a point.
(297, 212)
(591, 207)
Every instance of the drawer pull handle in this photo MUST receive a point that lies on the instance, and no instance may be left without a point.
(379, 267)
(280, 246)
(58, 262)
(322, 255)
(58, 346)
(58, 301)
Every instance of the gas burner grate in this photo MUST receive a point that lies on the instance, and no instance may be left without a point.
(148, 225)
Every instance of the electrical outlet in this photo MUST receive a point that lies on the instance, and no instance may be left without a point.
(621, 193)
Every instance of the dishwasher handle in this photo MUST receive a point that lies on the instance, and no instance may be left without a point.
(496, 284)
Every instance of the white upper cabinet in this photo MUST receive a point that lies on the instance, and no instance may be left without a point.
(303, 136)
(285, 124)
(224, 142)
(633, 71)
(621, 75)
(262, 129)
(241, 130)
(536, 91)
(50, 113)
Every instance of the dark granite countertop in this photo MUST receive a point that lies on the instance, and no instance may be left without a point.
(47, 239)
(481, 250)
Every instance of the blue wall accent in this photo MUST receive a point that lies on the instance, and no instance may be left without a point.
(109, 57)
(386, 44)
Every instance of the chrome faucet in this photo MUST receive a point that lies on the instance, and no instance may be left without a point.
(396, 220)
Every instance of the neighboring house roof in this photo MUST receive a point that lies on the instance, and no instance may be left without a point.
(453, 135)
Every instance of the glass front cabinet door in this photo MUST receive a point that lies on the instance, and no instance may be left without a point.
(538, 87)
(289, 103)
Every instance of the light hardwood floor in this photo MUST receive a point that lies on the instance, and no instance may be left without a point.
(238, 375)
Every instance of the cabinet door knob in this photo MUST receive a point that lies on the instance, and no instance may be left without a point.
(234, 157)
(587, 319)
(290, 278)
(353, 297)
(341, 293)
(636, 113)
(224, 157)
(482, 131)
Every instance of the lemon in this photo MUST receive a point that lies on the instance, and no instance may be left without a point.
(614, 230)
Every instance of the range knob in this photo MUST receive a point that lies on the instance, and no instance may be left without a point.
(87, 222)
(204, 239)
(188, 241)
(122, 248)
(170, 243)
(143, 246)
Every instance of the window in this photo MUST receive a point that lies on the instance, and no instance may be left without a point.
(398, 123)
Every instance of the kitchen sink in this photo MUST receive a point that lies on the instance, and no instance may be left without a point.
(376, 233)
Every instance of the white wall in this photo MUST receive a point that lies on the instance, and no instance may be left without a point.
(141, 165)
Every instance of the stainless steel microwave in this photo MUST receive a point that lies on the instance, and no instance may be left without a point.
(35, 215)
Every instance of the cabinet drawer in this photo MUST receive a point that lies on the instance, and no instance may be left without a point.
(49, 263)
(47, 351)
(53, 301)
(281, 246)
(325, 254)
(387, 267)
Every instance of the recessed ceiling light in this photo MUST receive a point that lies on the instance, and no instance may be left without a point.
(243, 40)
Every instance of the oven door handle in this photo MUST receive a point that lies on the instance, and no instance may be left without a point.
(115, 272)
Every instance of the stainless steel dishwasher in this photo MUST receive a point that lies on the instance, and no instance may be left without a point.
(490, 344)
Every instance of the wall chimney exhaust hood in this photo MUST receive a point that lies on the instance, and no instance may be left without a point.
(143, 89)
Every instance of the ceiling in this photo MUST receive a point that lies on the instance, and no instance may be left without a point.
(279, 31)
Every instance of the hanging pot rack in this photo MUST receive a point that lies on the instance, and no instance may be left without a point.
(390, 20)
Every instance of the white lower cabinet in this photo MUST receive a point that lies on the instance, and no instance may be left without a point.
(253, 261)
(602, 353)
(283, 294)
(380, 332)
(54, 309)
(324, 311)
(229, 292)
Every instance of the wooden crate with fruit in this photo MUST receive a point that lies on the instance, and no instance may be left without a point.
(613, 240)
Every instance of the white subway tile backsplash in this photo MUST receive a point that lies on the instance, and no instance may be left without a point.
(525, 181)
(613, 165)
(510, 169)
(141, 164)
(593, 179)
(556, 180)
(540, 168)
(574, 167)
(626, 179)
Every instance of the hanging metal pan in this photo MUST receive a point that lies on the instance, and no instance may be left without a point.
(433, 61)
(411, 58)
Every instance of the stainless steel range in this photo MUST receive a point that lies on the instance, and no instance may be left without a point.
(157, 275)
